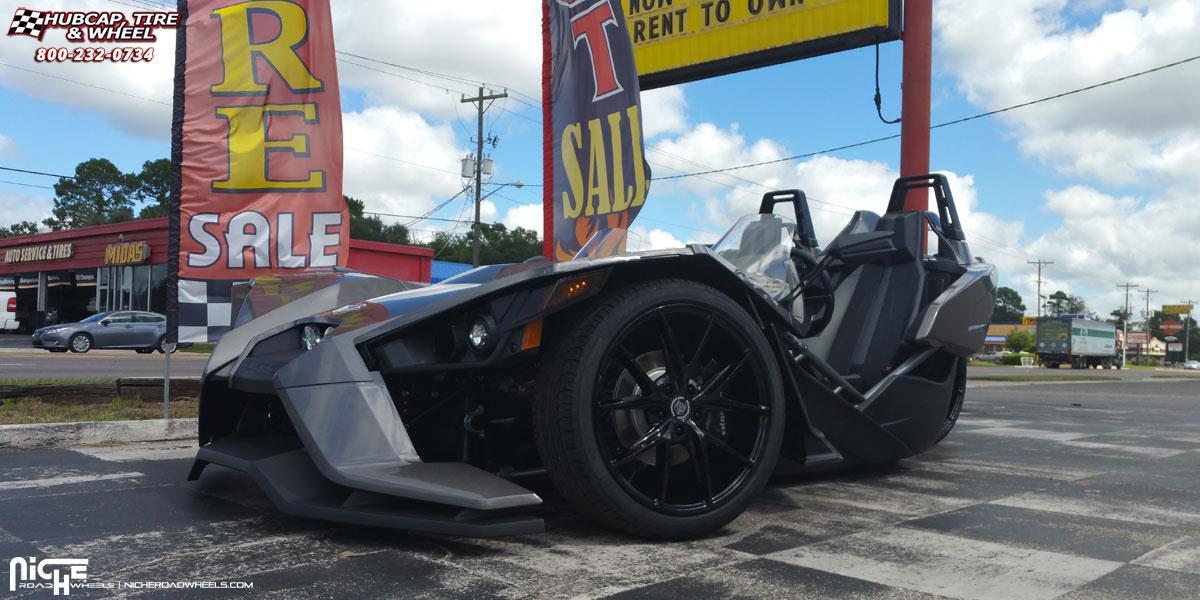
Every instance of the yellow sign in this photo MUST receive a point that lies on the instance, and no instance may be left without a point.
(126, 253)
(38, 253)
(681, 40)
(1029, 321)
(1177, 309)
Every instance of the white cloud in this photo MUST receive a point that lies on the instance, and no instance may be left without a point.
(386, 185)
(8, 148)
(528, 216)
(663, 111)
(477, 40)
(1136, 128)
(20, 207)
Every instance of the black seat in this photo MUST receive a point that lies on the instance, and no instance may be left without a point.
(875, 303)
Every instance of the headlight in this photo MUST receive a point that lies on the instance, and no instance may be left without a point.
(481, 334)
(55, 330)
(311, 335)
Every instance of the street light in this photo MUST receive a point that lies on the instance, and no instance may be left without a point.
(475, 228)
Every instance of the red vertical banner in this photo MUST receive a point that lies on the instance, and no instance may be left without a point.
(257, 149)
(596, 174)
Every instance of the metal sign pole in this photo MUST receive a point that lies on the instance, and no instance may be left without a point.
(167, 382)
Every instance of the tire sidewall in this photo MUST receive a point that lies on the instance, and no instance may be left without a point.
(594, 352)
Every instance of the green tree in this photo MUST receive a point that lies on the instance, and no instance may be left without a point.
(19, 228)
(372, 228)
(498, 244)
(152, 186)
(1020, 340)
(1009, 308)
(1119, 316)
(98, 194)
(1062, 303)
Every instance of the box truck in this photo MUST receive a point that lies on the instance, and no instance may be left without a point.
(1081, 343)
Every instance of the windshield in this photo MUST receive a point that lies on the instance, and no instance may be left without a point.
(95, 317)
(610, 242)
(760, 246)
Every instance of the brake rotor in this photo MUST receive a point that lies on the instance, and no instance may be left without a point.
(632, 424)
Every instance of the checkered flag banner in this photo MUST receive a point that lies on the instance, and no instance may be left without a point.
(28, 22)
(205, 309)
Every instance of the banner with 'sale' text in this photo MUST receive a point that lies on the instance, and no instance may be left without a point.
(257, 153)
(596, 175)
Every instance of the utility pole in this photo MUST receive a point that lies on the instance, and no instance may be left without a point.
(1040, 263)
(1125, 321)
(1148, 291)
(1186, 325)
(478, 102)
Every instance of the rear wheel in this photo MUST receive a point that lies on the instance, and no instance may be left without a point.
(661, 411)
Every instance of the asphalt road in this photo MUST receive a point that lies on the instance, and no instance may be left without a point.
(40, 364)
(1079, 490)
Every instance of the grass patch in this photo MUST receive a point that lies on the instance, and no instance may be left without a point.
(198, 348)
(56, 381)
(24, 411)
(985, 363)
(1042, 377)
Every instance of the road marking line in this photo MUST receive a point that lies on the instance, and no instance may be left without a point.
(1135, 450)
(947, 565)
(1181, 555)
(1106, 508)
(171, 450)
(878, 498)
(969, 466)
(1035, 434)
(69, 480)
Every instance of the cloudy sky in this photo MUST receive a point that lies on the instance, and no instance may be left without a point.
(1102, 183)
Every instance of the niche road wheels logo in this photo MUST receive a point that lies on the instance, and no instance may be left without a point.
(55, 574)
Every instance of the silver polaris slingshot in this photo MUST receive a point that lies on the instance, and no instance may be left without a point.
(657, 391)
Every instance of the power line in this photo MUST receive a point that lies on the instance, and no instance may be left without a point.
(15, 170)
(32, 185)
(84, 83)
(944, 124)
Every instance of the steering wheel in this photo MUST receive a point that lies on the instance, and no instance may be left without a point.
(817, 294)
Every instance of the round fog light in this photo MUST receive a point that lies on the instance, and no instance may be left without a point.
(310, 336)
(480, 334)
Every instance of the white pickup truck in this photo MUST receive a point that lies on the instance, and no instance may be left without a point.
(8, 312)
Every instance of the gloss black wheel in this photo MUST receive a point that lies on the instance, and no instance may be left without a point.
(664, 413)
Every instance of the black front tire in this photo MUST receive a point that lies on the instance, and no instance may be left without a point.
(958, 396)
(576, 422)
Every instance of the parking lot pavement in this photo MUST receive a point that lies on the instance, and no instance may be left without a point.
(1081, 490)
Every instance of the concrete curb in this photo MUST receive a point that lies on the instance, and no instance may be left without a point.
(63, 435)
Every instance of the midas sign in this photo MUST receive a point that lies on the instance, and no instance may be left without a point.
(126, 253)
(261, 140)
(681, 40)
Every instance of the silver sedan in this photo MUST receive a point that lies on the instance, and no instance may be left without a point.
(134, 330)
